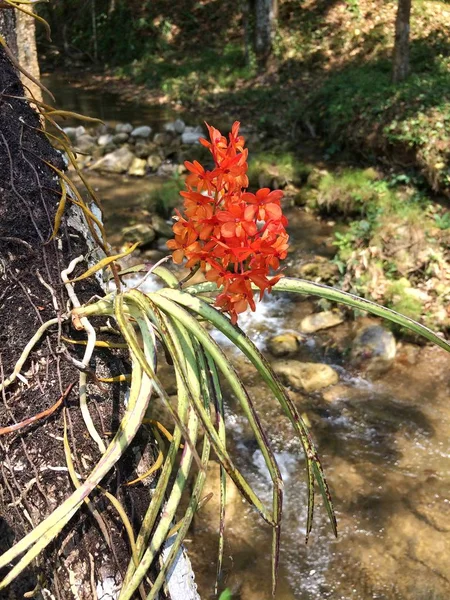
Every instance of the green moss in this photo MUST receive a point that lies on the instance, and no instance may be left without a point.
(282, 166)
(400, 299)
(349, 192)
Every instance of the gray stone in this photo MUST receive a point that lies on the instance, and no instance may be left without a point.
(138, 167)
(141, 232)
(118, 161)
(193, 137)
(283, 344)
(120, 138)
(85, 143)
(105, 139)
(154, 162)
(319, 321)
(308, 377)
(124, 128)
(143, 131)
(71, 133)
(167, 169)
(80, 130)
(177, 126)
(373, 349)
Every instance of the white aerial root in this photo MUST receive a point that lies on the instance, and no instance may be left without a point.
(92, 338)
(26, 352)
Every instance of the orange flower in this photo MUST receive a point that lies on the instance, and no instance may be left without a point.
(236, 237)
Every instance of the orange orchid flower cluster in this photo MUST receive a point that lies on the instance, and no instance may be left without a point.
(235, 237)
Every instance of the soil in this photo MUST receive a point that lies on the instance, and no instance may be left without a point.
(33, 474)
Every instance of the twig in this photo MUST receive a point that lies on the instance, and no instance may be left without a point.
(41, 415)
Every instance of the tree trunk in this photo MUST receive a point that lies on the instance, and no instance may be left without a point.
(27, 52)
(8, 27)
(401, 49)
(266, 13)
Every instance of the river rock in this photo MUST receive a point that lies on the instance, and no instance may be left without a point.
(374, 349)
(118, 161)
(161, 227)
(143, 149)
(167, 169)
(322, 320)
(140, 232)
(177, 126)
(163, 139)
(120, 138)
(80, 130)
(138, 167)
(154, 162)
(308, 377)
(283, 344)
(191, 137)
(110, 147)
(85, 143)
(71, 133)
(105, 139)
(124, 128)
(143, 131)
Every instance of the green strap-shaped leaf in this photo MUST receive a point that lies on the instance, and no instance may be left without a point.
(238, 337)
(309, 288)
(180, 347)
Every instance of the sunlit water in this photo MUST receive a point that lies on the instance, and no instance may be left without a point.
(384, 445)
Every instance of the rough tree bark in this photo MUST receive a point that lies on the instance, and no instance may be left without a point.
(401, 49)
(26, 50)
(265, 18)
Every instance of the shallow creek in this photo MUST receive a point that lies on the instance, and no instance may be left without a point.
(384, 445)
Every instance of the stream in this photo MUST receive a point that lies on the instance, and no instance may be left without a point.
(383, 441)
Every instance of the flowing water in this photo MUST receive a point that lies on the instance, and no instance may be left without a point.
(384, 444)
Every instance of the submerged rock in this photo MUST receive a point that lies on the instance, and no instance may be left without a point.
(319, 321)
(118, 161)
(308, 377)
(373, 349)
(283, 344)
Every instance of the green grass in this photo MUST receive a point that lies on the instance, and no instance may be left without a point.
(283, 166)
(166, 197)
(183, 77)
